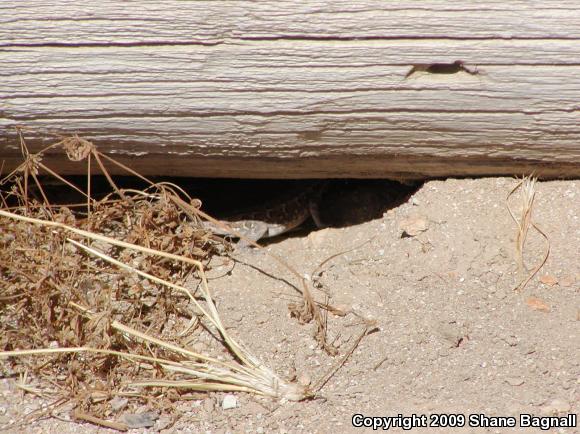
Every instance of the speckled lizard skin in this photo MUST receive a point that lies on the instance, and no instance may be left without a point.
(276, 217)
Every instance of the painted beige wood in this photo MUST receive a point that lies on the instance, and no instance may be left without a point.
(297, 89)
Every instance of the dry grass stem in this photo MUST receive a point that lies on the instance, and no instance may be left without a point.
(527, 186)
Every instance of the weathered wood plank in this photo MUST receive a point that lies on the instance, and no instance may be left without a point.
(298, 89)
(211, 22)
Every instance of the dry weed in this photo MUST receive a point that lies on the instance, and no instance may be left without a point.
(527, 186)
(99, 296)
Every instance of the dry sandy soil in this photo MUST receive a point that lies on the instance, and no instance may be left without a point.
(452, 336)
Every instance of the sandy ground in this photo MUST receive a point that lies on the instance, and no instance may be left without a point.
(452, 335)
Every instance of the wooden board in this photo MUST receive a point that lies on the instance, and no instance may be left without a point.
(297, 89)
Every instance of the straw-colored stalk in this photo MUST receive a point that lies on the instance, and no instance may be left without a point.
(528, 193)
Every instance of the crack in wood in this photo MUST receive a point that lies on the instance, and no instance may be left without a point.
(168, 115)
(233, 39)
(111, 44)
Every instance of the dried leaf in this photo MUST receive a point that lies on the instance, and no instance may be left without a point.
(537, 304)
(549, 280)
(413, 226)
(76, 148)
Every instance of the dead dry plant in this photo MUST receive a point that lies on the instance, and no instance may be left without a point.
(99, 297)
(251, 376)
(527, 186)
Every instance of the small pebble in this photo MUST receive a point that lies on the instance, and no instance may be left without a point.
(141, 420)
(118, 403)
(514, 381)
(304, 379)
(229, 402)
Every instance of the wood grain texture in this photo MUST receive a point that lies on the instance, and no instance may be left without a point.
(297, 89)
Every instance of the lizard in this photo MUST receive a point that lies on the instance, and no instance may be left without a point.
(278, 216)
